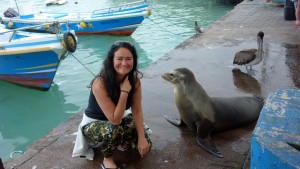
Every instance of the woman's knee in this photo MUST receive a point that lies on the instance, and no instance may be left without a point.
(127, 120)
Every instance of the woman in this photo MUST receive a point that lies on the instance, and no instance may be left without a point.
(116, 89)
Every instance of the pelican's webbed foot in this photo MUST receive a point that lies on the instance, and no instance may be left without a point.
(251, 72)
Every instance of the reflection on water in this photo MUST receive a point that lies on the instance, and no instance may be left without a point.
(245, 82)
(19, 122)
(280, 68)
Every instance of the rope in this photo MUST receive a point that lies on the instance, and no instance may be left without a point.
(167, 21)
(14, 152)
(164, 17)
(163, 27)
(82, 64)
(77, 59)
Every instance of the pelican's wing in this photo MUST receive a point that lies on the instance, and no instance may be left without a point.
(244, 56)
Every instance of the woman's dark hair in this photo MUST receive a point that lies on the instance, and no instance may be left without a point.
(108, 72)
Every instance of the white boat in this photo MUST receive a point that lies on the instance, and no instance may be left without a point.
(120, 20)
(32, 59)
(56, 2)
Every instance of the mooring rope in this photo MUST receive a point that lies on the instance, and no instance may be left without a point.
(69, 53)
(14, 152)
(82, 64)
(162, 27)
(164, 16)
(158, 25)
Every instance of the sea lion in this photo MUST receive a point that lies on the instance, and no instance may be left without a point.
(206, 114)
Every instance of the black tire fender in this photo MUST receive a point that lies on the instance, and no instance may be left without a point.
(70, 41)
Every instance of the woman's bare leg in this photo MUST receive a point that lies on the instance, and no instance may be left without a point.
(109, 162)
(298, 14)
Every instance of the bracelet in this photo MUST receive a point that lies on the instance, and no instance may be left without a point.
(125, 91)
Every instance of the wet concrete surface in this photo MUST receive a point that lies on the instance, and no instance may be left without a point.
(209, 55)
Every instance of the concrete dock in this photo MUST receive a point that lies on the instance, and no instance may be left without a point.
(209, 55)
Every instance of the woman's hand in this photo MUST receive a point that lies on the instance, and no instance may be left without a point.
(143, 147)
(125, 85)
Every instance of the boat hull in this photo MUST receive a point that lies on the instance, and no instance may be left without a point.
(117, 26)
(114, 33)
(33, 62)
(29, 69)
(37, 80)
(118, 22)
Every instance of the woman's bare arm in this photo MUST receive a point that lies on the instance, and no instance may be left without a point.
(113, 113)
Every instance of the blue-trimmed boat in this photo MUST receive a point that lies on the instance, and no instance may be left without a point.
(120, 20)
(32, 59)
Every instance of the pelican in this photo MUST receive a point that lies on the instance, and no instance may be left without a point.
(250, 57)
(197, 28)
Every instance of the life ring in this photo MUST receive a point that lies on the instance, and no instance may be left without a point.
(70, 41)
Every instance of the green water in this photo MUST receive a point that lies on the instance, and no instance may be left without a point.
(27, 114)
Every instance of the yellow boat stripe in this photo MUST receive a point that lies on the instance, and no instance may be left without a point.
(35, 67)
(41, 49)
(41, 71)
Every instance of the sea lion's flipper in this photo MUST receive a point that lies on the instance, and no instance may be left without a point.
(207, 145)
(204, 128)
(260, 98)
(174, 120)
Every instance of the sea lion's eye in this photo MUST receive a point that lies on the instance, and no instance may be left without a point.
(171, 74)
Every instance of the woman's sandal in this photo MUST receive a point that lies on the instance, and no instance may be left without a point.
(103, 167)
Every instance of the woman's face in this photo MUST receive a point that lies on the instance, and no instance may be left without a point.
(123, 62)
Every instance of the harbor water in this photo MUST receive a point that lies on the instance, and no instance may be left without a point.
(26, 114)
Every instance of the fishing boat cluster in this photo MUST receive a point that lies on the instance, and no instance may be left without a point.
(32, 45)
